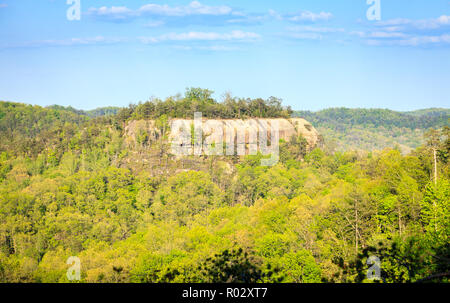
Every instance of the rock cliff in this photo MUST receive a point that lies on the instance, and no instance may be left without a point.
(239, 131)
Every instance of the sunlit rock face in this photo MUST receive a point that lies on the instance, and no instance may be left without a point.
(242, 133)
(306, 129)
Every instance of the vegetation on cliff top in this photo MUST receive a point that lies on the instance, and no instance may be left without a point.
(200, 100)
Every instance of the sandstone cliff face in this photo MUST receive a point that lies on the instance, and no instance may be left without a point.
(241, 132)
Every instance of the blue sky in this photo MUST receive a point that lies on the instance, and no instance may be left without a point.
(313, 54)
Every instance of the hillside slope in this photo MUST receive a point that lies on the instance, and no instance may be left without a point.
(71, 185)
(374, 129)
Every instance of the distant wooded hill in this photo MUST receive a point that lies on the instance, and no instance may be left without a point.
(370, 129)
(98, 112)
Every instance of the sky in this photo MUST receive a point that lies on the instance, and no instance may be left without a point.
(313, 54)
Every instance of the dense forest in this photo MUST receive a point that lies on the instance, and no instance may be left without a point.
(370, 129)
(66, 190)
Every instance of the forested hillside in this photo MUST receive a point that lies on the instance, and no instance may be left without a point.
(67, 189)
(375, 129)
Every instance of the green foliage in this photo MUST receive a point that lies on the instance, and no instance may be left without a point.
(186, 195)
(72, 185)
(200, 100)
(103, 111)
(435, 211)
(404, 261)
(295, 267)
(233, 266)
(374, 129)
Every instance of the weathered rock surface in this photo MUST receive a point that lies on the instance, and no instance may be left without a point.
(241, 132)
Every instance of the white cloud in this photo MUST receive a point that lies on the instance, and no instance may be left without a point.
(213, 48)
(198, 13)
(202, 36)
(115, 12)
(301, 17)
(433, 23)
(425, 40)
(306, 36)
(425, 24)
(307, 16)
(408, 32)
(308, 32)
(66, 42)
(275, 15)
(444, 19)
(156, 23)
(387, 35)
(308, 28)
(393, 28)
(244, 19)
(3, 5)
(398, 21)
(412, 41)
(193, 8)
(358, 33)
(218, 48)
(379, 34)
(80, 41)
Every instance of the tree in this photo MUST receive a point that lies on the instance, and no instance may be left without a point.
(185, 195)
(433, 143)
(435, 212)
(235, 266)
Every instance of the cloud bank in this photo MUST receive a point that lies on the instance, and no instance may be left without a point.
(202, 36)
(408, 32)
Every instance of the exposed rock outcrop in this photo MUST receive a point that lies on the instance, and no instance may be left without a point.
(241, 132)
